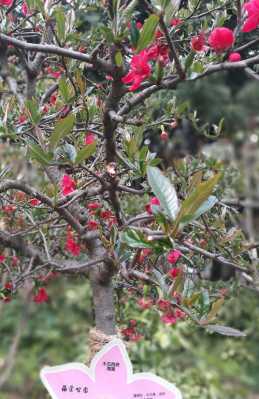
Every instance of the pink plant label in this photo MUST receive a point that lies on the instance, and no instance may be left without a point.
(110, 376)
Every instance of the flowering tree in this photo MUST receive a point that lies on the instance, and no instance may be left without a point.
(78, 84)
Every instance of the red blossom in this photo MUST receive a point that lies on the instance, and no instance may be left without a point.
(34, 202)
(221, 39)
(145, 303)
(112, 221)
(169, 318)
(107, 214)
(234, 57)
(82, 49)
(179, 314)
(7, 299)
(174, 272)
(158, 50)
(159, 34)
(41, 296)
(176, 21)
(89, 139)
(6, 3)
(55, 74)
(22, 119)
(92, 225)
(252, 20)
(8, 286)
(198, 42)
(143, 254)
(138, 25)
(153, 202)
(139, 70)
(131, 333)
(15, 261)
(71, 246)
(53, 99)
(25, 9)
(173, 256)
(164, 136)
(93, 206)
(68, 185)
(163, 304)
(45, 109)
(49, 276)
(9, 208)
(136, 337)
(128, 331)
(2, 258)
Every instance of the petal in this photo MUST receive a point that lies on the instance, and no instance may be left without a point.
(129, 77)
(144, 383)
(252, 8)
(250, 24)
(59, 380)
(137, 82)
(112, 366)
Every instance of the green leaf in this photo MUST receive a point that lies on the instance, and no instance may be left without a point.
(118, 58)
(134, 33)
(215, 308)
(188, 61)
(148, 32)
(196, 199)
(64, 89)
(36, 5)
(60, 23)
(206, 206)
(164, 191)
(62, 129)
(37, 153)
(32, 110)
(85, 153)
(80, 80)
(198, 67)
(164, 3)
(223, 330)
(135, 239)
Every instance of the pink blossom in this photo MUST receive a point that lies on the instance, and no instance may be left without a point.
(174, 272)
(41, 296)
(2, 258)
(252, 20)
(71, 245)
(169, 318)
(68, 185)
(89, 139)
(6, 3)
(221, 39)
(234, 57)
(173, 256)
(25, 9)
(34, 202)
(153, 202)
(198, 42)
(145, 303)
(176, 21)
(139, 70)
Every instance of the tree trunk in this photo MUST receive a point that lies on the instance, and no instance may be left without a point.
(102, 291)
